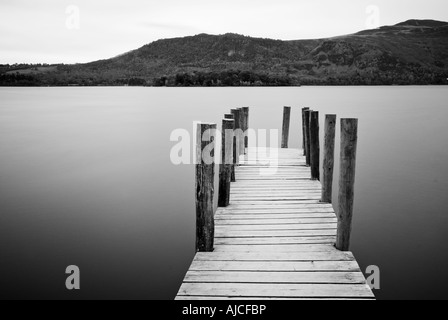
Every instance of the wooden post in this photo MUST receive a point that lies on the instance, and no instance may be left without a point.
(232, 117)
(286, 123)
(246, 128)
(205, 179)
(349, 141)
(236, 114)
(303, 130)
(241, 130)
(225, 171)
(328, 164)
(307, 136)
(315, 146)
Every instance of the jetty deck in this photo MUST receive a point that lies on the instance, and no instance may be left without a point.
(275, 240)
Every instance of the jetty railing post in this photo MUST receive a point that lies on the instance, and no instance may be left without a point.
(286, 124)
(349, 141)
(303, 130)
(225, 170)
(232, 117)
(245, 128)
(314, 146)
(236, 114)
(205, 179)
(307, 136)
(328, 162)
(241, 131)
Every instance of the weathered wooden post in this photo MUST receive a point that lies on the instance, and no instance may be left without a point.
(245, 129)
(303, 130)
(237, 114)
(349, 141)
(232, 117)
(241, 131)
(286, 124)
(205, 179)
(328, 164)
(307, 136)
(315, 145)
(225, 169)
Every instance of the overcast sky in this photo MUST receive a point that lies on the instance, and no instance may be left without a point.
(71, 31)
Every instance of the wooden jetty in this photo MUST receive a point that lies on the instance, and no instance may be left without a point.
(274, 238)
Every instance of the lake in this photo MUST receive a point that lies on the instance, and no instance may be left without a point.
(86, 179)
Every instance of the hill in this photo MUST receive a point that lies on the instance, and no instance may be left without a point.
(411, 52)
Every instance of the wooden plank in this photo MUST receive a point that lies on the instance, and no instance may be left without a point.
(276, 266)
(280, 291)
(251, 222)
(269, 227)
(257, 256)
(274, 192)
(274, 209)
(330, 240)
(279, 175)
(272, 163)
(255, 195)
(274, 184)
(274, 156)
(274, 177)
(274, 203)
(302, 187)
(278, 189)
(279, 217)
(198, 298)
(243, 169)
(274, 277)
(274, 233)
(276, 248)
(315, 197)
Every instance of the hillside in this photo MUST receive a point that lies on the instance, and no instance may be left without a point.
(411, 52)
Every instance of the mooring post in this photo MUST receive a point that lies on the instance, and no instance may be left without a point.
(286, 124)
(205, 179)
(349, 141)
(232, 117)
(307, 136)
(241, 131)
(237, 114)
(245, 129)
(303, 130)
(315, 145)
(225, 169)
(328, 163)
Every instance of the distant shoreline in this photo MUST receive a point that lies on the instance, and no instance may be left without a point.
(242, 87)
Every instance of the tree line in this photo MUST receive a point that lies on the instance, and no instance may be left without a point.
(231, 78)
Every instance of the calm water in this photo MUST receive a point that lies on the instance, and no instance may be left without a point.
(86, 179)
